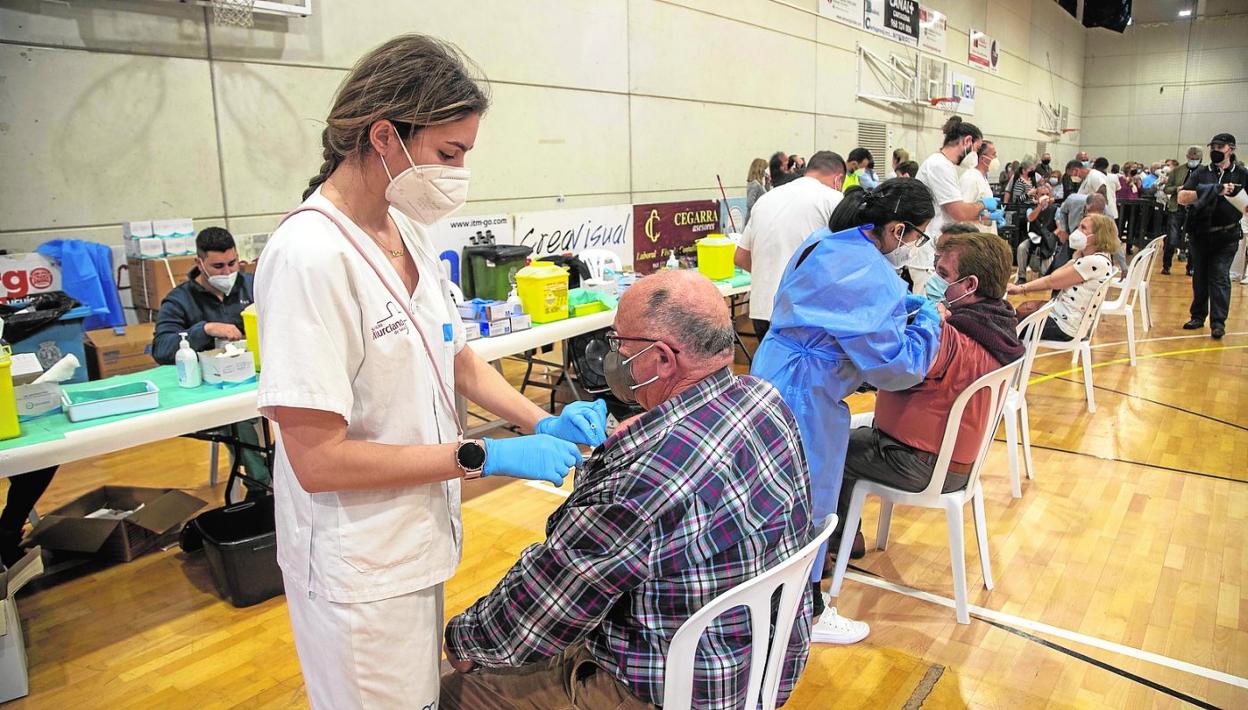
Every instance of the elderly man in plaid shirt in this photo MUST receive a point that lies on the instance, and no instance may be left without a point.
(704, 491)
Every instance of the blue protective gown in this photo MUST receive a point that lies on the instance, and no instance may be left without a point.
(840, 319)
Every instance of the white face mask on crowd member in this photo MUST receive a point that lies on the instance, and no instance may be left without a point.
(901, 254)
(223, 282)
(426, 193)
(1078, 240)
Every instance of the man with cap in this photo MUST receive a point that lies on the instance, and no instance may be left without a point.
(1177, 213)
(1213, 231)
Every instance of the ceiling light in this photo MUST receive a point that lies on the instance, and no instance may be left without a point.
(1185, 13)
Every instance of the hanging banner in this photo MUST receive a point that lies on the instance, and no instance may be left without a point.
(559, 231)
(665, 226)
(450, 236)
(962, 86)
(848, 12)
(895, 19)
(983, 52)
(933, 27)
(732, 213)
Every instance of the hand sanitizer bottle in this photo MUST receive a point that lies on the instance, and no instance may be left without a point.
(187, 363)
(672, 261)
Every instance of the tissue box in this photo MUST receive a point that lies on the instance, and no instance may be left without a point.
(137, 230)
(220, 369)
(520, 322)
(33, 400)
(472, 330)
(492, 329)
(179, 246)
(145, 248)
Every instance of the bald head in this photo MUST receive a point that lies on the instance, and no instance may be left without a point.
(682, 307)
(1096, 203)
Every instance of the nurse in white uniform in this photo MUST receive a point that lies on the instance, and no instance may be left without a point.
(363, 352)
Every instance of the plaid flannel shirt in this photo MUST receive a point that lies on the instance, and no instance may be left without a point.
(704, 492)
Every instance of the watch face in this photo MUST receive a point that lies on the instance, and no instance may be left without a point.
(471, 455)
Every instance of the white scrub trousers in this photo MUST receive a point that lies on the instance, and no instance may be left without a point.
(382, 654)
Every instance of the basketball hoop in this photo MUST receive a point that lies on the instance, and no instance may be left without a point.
(1069, 130)
(234, 13)
(944, 100)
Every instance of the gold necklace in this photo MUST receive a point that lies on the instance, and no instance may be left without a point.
(394, 253)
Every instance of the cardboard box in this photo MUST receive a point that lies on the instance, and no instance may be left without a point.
(179, 246)
(111, 353)
(24, 274)
(472, 330)
(176, 227)
(496, 328)
(158, 515)
(520, 322)
(14, 682)
(152, 279)
(218, 368)
(145, 248)
(33, 400)
(137, 230)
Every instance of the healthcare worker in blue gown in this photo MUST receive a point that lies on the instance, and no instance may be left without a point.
(843, 317)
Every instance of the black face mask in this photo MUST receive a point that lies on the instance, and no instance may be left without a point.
(1216, 157)
(1044, 162)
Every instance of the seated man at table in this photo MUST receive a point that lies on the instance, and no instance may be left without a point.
(209, 308)
(707, 489)
(978, 336)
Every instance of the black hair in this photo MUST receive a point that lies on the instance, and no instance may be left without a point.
(857, 155)
(777, 163)
(901, 198)
(1115, 168)
(1100, 164)
(825, 161)
(213, 239)
(956, 129)
(1071, 164)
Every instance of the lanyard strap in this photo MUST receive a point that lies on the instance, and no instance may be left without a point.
(401, 300)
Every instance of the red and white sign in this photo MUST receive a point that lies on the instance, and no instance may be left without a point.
(24, 274)
(983, 53)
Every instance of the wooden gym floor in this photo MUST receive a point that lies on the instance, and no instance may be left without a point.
(1120, 574)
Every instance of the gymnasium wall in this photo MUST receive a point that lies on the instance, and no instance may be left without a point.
(112, 110)
(1154, 90)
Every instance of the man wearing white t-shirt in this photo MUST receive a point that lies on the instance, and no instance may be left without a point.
(1096, 181)
(779, 222)
(940, 174)
(974, 182)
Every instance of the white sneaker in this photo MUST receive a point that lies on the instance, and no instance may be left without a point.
(1244, 280)
(834, 628)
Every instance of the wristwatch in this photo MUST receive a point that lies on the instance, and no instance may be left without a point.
(470, 457)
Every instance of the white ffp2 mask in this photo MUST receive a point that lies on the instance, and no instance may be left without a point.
(223, 282)
(1078, 240)
(427, 193)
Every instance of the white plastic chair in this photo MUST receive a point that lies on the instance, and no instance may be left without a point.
(767, 651)
(1128, 291)
(995, 384)
(1016, 421)
(598, 260)
(1146, 304)
(1080, 346)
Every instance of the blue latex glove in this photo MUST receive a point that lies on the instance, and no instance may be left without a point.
(915, 304)
(998, 216)
(990, 203)
(579, 422)
(539, 457)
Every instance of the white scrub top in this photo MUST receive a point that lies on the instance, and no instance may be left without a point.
(332, 338)
(941, 177)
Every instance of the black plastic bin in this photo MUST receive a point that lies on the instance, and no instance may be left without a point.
(240, 542)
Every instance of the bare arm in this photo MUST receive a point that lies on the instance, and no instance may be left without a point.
(1062, 277)
(476, 380)
(742, 259)
(963, 211)
(324, 459)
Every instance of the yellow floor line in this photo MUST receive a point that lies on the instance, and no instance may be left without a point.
(1119, 361)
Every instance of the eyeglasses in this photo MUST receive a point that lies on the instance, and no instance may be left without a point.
(614, 340)
(923, 238)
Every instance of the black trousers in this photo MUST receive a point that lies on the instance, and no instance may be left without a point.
(24, 491)
(1210, 257)
(1174, 236)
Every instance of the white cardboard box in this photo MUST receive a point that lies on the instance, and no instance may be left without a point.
(226, 370)
(136, 230)
(179, 246)
(178, 227)
(22, 275)
(14, 682)
(145, 248)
